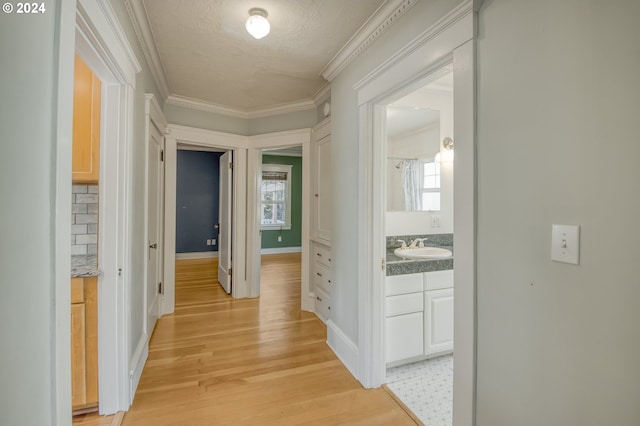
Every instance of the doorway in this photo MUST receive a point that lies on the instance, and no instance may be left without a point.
(419, 214)
(450, 41)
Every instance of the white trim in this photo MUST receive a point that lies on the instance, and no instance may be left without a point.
(187, 102)
(343, 347)
(386, 15)
(170, 172)
(450, 40)
(281, 250)
(197, 255)
(323, 94)
(140, 22)
(138, 361)
(102, 44)
(61, 314)
(458, 33)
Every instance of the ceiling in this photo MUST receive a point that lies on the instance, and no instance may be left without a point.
(200, 52)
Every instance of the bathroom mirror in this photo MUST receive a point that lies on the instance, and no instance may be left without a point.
(419, 170)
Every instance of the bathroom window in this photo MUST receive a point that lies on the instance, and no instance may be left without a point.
(430, 185)
(275, 193)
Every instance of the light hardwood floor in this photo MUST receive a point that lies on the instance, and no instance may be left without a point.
(220, 361)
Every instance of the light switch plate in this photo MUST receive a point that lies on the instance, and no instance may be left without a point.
(565, 243)
(435, 221)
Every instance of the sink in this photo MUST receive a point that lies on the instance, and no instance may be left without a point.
(422, 253)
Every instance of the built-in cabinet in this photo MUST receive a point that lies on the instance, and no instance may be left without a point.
(86, 124)
(321, 264)
(84, 344)
(418, 316)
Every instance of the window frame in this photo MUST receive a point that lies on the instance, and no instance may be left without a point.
(434, 190)
(281, 168)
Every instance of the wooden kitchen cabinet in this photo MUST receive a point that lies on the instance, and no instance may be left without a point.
(86, 124)
(84, 344)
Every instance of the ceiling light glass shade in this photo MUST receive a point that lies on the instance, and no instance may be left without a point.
(257, 24)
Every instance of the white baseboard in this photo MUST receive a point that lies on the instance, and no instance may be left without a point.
(343, 347)
(197, 255)
(279, 250)
(137, 362)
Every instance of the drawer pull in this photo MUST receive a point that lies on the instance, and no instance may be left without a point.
(318, 274)
(329, 307)
(318, 298)
(329, 281)
(329, 259)
(318, 254)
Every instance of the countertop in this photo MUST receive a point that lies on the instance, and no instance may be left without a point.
(84, 266)
(399, 266)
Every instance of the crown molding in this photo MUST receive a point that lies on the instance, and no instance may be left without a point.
(386, 15)
(323, 94)
(140, 22)
(187, 102)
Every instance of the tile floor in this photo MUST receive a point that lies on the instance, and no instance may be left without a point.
(426, 387)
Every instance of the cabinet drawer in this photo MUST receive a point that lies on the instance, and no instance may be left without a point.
(322, 254)
(438, 279)
(404, 337)
(323, 305)
(322, 277)
(403, 304)
(402, 284)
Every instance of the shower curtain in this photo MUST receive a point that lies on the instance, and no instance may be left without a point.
(411, 185)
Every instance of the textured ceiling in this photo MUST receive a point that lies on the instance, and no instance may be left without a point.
(207, 55)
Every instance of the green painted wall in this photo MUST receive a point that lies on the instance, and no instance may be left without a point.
(292, 237)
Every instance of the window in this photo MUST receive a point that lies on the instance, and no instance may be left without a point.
(431, 185)
(275, 195)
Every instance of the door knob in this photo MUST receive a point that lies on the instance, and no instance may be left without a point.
(154, 246)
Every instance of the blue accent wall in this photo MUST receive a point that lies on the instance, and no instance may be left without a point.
(197, 200)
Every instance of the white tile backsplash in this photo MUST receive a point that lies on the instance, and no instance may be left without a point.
(84, 219)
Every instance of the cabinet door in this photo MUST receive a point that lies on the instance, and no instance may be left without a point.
(438, 321)
(78, 356)
(86, 124)
(322, 188)
(404, 337)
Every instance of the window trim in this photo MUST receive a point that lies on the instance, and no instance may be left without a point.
(434, 190)
(286, 168)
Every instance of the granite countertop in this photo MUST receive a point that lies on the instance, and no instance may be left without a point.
(399, 266)
(84, 266)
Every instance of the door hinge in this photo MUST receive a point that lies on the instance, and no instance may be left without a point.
(230, 271)
(382, 264)
(231, 166)
(160, 288)
(162, 155)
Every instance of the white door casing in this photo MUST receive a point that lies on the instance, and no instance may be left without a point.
(451, 40)
(154, 220)
(226, 212)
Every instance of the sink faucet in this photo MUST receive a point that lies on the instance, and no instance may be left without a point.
(417, 243)
(403, 242)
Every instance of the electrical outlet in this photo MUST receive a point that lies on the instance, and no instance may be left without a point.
(213, 242)
(208, 242)
(435, 221)
(279, 238)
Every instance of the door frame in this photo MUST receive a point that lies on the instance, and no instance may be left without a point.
(90, 29)
(194, 137)
(245, 249)
(451, 40)
(258, 143)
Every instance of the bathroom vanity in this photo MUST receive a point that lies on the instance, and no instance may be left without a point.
(418, 308)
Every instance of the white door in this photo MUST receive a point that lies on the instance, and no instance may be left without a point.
(224, 237)
(154, 197)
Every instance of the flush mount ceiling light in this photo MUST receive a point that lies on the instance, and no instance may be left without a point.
(257, 24)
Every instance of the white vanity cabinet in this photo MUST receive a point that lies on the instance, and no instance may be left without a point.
(404, 322)
(438, 302)
(418, 316)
